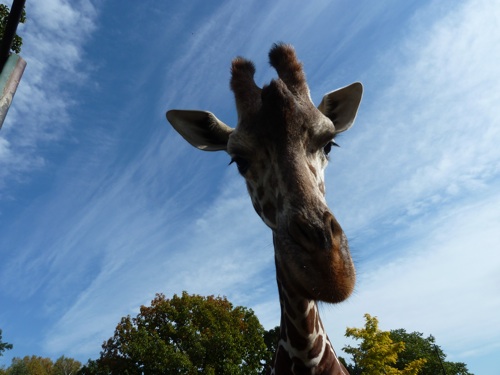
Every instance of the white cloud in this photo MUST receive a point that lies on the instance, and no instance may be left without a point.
(202, 66)
(424, 144)
(53, 39)
(444, 284)
(430, 135)
(416, 186)
(62, 17)
(222, 253)
(5, 151)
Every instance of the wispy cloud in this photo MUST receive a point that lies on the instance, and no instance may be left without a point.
(213, 257)
(430, 134)
(416, 186)
(228, 32)
(226, 250)
(53, 41)
(132, 217)
(445, 284)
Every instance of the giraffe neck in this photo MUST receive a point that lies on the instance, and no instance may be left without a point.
(304, 347)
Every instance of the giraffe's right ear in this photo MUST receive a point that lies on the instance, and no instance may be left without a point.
(201, 129)
(341, 106)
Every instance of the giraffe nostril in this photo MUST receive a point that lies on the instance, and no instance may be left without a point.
(330, 223)
(309, 234)
(334, 229)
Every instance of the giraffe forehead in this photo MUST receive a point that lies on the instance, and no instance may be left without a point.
(266, 134)
(284, 117)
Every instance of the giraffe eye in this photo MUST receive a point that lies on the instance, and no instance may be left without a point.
(328, 147)
(241, 163)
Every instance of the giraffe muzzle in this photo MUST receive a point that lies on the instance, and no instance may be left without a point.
(317, 254)
(315, 235)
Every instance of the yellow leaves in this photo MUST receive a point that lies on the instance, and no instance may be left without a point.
(414, 367)
(377, 353)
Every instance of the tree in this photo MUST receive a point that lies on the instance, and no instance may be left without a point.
(190, 334)
(271, 338)
(377, 354)
(416, 346)
(4, 15)
(4, 345)
(33, 365)
(66, 366)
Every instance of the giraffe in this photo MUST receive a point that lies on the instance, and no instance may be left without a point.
(281, 146)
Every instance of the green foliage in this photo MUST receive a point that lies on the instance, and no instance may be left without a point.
(416, 346)
(271, 338)
(377, 354)
(66, 366)
(35, 365)
(190, 334)
(30, 366)
(4, 345)
(4, 15)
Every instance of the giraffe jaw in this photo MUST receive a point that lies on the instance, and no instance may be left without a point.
(321, 273)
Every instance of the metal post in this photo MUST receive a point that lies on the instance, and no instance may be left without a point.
(439, 357)
(10, 30)
(9, 80)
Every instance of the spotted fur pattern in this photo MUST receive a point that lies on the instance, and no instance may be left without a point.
(280, 146)
(303, 347)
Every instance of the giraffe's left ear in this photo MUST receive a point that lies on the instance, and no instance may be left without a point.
(200, 128)
(341, 106)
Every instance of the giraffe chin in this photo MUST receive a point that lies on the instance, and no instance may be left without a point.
(320, 274)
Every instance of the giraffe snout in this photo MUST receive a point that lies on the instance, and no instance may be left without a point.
(314, 234)
(315, 252)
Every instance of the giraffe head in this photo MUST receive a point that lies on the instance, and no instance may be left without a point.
(281, 147)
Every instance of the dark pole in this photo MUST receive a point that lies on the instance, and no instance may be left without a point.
(441, 362)
(10, 30)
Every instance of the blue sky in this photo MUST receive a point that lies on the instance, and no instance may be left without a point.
(102, 204)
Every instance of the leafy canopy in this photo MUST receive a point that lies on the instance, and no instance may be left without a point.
(36, 365)
(4, 345)
(189, 334)
(416, 346)
(377, 354)
(4, 15)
